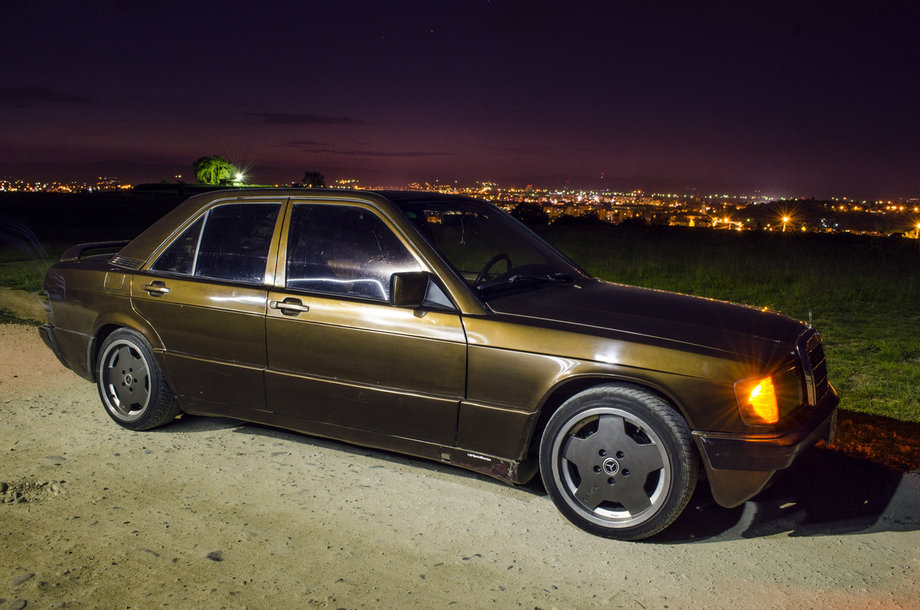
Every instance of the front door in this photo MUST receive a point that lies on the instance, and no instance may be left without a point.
(338, 352)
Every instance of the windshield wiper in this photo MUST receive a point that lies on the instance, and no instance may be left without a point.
(523, 280)
(556, 278)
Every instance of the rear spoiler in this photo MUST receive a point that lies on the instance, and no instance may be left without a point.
(75, 253)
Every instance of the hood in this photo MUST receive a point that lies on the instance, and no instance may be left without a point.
(655, 314)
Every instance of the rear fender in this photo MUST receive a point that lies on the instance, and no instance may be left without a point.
(110, 322)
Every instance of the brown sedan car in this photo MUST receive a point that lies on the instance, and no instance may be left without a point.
(440, 327)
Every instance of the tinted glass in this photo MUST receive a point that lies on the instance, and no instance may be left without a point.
(235, 242)
(179, 257)
(233, 246)
(343, 250)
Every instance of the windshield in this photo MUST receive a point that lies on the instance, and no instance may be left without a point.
(492, 251)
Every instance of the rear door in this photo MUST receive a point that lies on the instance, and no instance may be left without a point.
(205, 296)
(338, 352)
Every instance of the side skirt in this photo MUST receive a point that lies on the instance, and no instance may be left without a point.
(503, 469)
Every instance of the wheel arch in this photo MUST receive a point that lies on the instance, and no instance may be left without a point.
(106, 326)
(588, 475)
(568, 388)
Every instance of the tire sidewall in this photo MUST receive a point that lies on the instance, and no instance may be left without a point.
(655, 415)
(149, 412)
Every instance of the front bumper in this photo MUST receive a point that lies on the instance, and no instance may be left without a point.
(740, 466)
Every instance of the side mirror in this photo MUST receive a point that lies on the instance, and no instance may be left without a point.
(408, 288)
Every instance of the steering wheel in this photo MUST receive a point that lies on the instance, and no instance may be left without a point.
(491, 263)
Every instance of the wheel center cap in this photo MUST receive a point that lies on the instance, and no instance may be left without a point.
(611, 466)
(129, 379)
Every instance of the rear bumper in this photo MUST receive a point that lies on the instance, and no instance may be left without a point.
(46, 331)
(740, 466)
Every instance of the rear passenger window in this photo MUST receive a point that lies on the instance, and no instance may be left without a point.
(179, 257)
(232, 245)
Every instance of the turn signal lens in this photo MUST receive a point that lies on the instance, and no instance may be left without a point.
(757, 401)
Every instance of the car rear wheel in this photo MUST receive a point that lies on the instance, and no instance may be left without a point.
(131, 383)
(618, 462)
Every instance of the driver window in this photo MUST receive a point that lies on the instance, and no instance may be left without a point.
(343, 250)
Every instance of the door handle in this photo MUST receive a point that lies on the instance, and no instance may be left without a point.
(156, 289)
(289, 306)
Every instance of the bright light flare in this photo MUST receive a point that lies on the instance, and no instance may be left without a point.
(757, 401)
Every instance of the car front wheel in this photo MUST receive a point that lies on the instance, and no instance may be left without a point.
(618, 462)
(131, 383)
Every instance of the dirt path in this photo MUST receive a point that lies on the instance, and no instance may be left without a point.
(23, 305)
(210, 513)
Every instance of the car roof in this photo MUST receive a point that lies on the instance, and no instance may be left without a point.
(142, 247)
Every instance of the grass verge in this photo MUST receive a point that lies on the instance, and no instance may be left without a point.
(861, 293)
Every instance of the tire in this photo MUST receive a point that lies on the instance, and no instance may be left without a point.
(131, 384)
(618, 462)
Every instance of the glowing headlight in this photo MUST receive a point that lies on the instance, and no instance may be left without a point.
(757, 401)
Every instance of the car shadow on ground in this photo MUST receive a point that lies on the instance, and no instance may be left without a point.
(825, 493)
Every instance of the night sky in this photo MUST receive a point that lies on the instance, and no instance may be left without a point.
(790, 98)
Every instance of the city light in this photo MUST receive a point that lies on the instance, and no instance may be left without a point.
(100, 184)
(738, 212)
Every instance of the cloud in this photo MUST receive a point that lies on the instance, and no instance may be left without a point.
(316, 148)
(25, 97)
(281, 118)
(303, 143)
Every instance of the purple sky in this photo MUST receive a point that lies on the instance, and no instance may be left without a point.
(792, 98)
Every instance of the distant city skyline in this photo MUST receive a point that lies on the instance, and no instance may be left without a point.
(490, 190)
(90, 173)
(813, 99)
(900, 218)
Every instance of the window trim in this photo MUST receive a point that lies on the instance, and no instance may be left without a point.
(204, 215)
(280, 279)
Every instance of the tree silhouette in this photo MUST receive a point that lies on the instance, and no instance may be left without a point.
(314, 179)
(214, 170)
(530, 213)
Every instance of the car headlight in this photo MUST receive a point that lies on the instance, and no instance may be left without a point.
(757, 401)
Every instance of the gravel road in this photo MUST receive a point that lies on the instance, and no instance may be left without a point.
(213, 513)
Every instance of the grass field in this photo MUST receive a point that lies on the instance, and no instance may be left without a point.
(862, 293)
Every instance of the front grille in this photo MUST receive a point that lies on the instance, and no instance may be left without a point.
(814, 365)
(818, 365)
